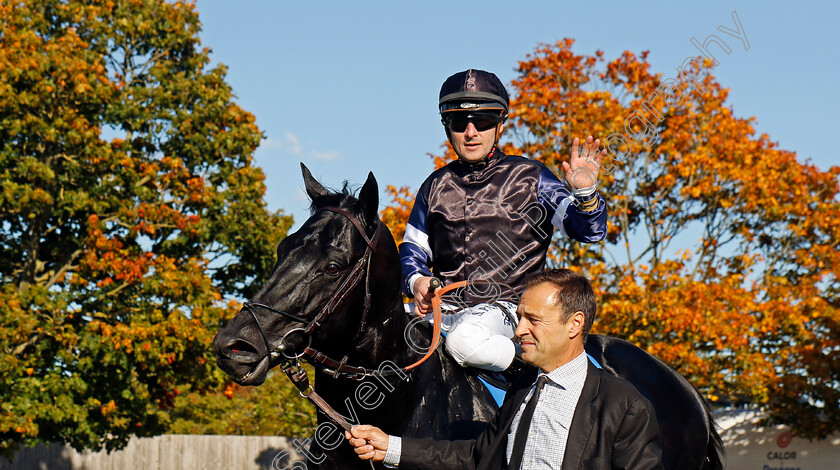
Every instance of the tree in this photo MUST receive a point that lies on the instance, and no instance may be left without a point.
(396, 215)
(275, 408)
(131, 216)
(721, 256)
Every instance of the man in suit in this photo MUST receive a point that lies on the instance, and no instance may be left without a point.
(572, 414)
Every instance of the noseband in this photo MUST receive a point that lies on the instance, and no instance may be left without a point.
(361, 269)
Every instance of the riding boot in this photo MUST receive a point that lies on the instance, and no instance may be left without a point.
(515, 369)
(505, 378)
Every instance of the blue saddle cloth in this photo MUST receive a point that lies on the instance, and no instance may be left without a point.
(499, 393)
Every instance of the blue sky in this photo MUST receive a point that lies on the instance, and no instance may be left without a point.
(351, 87)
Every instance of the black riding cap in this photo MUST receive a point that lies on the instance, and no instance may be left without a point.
(472, 90)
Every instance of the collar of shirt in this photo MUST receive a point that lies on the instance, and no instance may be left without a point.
(570, 377)
(549, 429)
(570, 373)
(475, 170)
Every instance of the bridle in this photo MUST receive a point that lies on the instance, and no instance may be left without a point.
(337, 369)
(290, 362)
(327, 364)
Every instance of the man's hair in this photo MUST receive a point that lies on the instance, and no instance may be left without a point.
(574, 294)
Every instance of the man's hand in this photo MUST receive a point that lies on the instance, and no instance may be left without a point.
(369, 442)
(581, 170)
(423, 294)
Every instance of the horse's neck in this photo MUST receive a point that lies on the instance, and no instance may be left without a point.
(385, 338)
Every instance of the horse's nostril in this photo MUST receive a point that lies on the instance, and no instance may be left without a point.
(242, 347)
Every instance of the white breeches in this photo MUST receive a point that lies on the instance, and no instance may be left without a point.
(480, 336)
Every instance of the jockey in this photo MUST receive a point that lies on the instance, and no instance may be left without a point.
(488, 218)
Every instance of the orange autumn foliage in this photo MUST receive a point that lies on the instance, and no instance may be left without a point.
(396, 215)
(721, 256)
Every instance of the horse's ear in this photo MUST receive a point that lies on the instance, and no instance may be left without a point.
(369, 198)
(313, 188)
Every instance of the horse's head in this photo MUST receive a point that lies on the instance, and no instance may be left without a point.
(331, 279)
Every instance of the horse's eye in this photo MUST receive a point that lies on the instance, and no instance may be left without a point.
(333, 269)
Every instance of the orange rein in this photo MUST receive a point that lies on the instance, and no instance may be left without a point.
(436, 311)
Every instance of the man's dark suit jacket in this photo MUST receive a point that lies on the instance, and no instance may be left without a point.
(614, 427)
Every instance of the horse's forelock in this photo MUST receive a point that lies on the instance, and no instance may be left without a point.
(345, 199)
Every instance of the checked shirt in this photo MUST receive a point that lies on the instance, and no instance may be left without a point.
(549, 432)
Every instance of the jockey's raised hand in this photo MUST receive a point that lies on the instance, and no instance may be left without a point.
(581, 171)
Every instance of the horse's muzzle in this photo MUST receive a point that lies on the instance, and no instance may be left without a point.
(241, 360)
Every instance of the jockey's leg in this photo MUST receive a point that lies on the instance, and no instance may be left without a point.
(481, 337)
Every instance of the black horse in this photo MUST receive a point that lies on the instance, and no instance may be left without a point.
(359, 339)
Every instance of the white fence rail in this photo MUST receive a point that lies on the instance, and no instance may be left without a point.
(168, 452)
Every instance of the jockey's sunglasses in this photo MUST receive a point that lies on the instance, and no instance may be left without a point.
(457, 121)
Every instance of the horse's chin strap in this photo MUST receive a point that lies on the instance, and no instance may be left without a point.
(340, 369)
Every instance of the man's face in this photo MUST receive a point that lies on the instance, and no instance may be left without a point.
(546, 341)
(474, 143)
